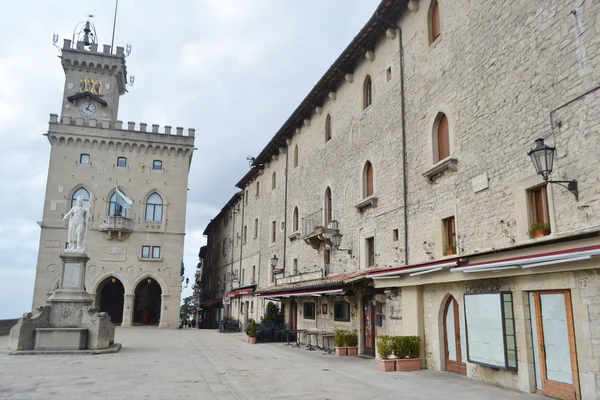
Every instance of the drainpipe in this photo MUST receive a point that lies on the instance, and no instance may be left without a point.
(242, 230)
(285, 201)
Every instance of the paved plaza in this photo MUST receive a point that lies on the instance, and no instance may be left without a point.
(205, 364)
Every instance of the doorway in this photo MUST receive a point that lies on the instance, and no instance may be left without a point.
(553, 336)
(147, 302)
(111, 293)
(452, 345)
(369, 329)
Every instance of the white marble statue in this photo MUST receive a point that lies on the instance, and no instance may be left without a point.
(78, 225)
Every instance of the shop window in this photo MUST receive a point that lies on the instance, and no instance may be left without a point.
(539, 215)
(341, 311)
(309, 310)
(449, 236)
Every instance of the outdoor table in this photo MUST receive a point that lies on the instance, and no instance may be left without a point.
(329, 336)
(297, 332)
(310, 334)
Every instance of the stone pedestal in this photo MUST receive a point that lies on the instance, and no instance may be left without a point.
(68, 323)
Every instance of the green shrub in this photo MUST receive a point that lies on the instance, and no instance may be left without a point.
(384, 346)
(252, 330)
(406, 346)
(351, 339)
(339, 338)
(538, 227)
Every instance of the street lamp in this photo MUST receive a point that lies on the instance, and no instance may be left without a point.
(542, 157)
(336, 240)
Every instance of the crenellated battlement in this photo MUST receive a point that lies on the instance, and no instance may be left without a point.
(142, 127)
(93, 48)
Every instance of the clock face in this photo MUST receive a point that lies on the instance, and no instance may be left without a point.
(87, 109)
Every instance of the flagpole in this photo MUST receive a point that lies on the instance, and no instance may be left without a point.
(112, 42)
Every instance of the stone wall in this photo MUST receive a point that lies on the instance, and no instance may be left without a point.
(6, 325)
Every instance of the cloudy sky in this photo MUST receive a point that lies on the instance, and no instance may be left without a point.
(233, 69)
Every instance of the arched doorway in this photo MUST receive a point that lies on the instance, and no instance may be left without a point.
(147, 302)
(452, 346)
(110, 292)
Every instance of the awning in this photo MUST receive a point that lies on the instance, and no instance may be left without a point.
(413, 270)
(305, 293)
(240, 292)
(210, 302)
(533, 261)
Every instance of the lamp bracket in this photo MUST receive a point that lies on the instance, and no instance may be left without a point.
(571, 186)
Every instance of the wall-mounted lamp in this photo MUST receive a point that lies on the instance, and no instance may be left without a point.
(542, 157)
(336, 240)
(274, 261)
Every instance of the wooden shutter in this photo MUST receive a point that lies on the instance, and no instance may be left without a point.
(539, 205)
(443, 139)
(435, 22)
(369, 178)
(450, 232)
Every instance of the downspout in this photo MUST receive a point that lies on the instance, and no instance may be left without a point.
(244, 231)
(232, 247)
(285, 200)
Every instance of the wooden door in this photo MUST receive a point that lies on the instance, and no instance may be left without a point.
(369, 328)
(452, 346)
(556, 344)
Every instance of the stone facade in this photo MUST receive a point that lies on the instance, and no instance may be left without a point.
(85, 146)
(503, 74)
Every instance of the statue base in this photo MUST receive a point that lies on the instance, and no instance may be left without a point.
(68, 322)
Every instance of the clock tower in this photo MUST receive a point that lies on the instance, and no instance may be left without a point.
(94, 80)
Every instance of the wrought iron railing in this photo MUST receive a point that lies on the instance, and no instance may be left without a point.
(318, 220)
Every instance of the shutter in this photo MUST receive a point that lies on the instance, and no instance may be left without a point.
(443, 140)
(435, 22)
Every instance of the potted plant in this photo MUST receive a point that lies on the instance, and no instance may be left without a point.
(539, 230)
(449, 249)
(407, 350)
(339, 340)
(352, 343)
(384, 349)
(251, 333)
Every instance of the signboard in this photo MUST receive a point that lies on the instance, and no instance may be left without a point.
(71, 275)
(226, 300)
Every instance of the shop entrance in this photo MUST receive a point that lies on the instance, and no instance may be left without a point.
(147, 302)
(553, 337)
(452, 346)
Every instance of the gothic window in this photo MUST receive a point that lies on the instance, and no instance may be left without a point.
(157, 165)
(274, 181)
(84, 158)
(368, 180)
(328, 205)
(296, 156)
(114, 208)
(328, 128)
(85, 196)
(154, 208)
(435, 28)
(121, 162)
(367, 92)
(441, 138)
(296, 227)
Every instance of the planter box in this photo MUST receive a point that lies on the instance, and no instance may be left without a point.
(540, 233)
(387, 365)
(352, 351)
(408, 364)
(251, 340)
(341, 351)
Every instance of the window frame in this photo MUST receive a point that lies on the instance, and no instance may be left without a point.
(273, 231)
(86, 201)
(154, 207)
(119, 159)
(533, 204)
(112, 212)
(296, 220)
(89, 159)
(274, 181)
(328, 130)
(367, 92)
(434, 20)
(146, 250)
(154, 164)
(255, 228)
(296, 155)
(245, 234)
(449, 233)
(335, 311)
(370, 251)
(154, 249)
(311, 305)
(257, 189)
(368, 180)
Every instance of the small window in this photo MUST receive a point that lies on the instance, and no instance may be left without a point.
(296, 156)
(243, 275)
(257, 189)
(368, 180)
(442, 138)
(295, 266)
(155, 251)
(282, 225)
(388, 74)
(145, 251)
(84, 158)
(295, 221)
(255, 228)
(328, 206)
(253, 274)
(341, 311)
(328, 128)
(370, 251)
(309, 310)
(157, 165)
(367, 92)
(435, 27)
(121, 162)
(538, 206)
(273, 231)
(326, 257)
(246, 196)
(449, 236)
(395, 235)
(274, 181)
(245, 233)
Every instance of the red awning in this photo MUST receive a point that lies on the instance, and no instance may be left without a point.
(240, 292)
(417, 269)
(303, 293)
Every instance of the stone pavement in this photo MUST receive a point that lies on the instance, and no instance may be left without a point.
(202, 364)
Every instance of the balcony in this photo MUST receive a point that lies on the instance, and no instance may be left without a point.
(304, 276)
(123, 226)
(318, 227)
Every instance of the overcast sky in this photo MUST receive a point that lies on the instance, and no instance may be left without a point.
(233, 69)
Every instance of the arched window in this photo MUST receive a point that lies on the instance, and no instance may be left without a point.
(328, 204)
(296, 219)
(367, 92)
(84, 158)
(154, 208)
(368, 180)
(442, 138)
(85, 196)
(274, 181)
(114, 208)
(157, 165)
(121, 162)
(328, 128)
(435, 27)
(257, 188)
(296, 156)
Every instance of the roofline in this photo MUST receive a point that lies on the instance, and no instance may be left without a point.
(231, 201)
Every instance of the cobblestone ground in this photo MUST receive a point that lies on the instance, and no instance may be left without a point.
(203, 364)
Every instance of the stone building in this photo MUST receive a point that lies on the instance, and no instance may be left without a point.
(136, 253)
(399, 197)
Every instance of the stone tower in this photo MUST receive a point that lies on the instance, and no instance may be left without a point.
(136, 233)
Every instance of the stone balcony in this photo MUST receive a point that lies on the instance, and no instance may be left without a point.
(318, 227)
(121, 225)
(304, 276)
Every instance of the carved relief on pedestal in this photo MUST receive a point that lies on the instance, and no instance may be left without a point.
(114, 253)
(54, 244)
(168, 271)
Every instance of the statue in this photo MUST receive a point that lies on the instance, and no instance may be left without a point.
(78, 225)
